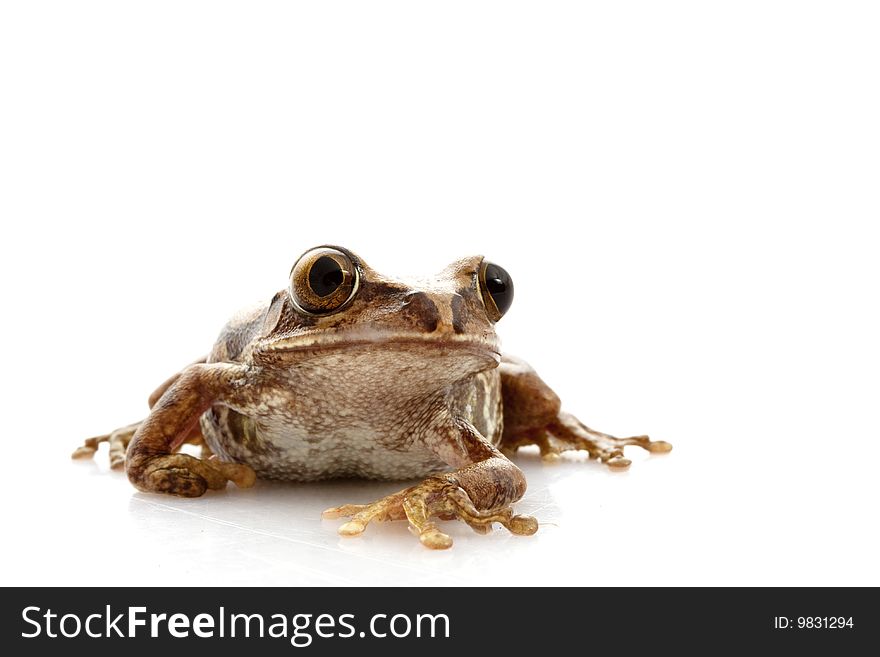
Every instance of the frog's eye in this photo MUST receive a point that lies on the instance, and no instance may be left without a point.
(323, 281)
(496, 286)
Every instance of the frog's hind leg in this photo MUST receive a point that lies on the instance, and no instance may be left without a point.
(121, 437)
(533, 416)
(118, 441)
(568, 433)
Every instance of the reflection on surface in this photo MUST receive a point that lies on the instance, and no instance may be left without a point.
(274, 534)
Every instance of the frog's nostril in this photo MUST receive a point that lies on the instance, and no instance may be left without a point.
(421, 311)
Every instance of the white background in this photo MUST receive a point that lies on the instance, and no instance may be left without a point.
(686, 194)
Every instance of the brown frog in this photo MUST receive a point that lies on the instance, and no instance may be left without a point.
(348, 373)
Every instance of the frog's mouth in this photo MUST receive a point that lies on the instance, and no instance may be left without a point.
(441, 345)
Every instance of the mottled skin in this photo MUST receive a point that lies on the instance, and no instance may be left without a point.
(405, 381)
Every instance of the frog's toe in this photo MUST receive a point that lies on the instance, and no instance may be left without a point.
(361, 515)
(459, 504)
(118, 441)
(569, 433)
(441, 498)
(658, 446)
(177, 481)
(352, 528)
(433, 539)
(243, 476)
(89, 447)
(187, 476)
(344, 511)
(419, 505)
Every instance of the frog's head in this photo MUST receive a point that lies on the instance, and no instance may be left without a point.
(335, 301)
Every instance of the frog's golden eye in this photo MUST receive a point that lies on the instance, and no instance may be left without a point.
(323, 281)
(496, 285)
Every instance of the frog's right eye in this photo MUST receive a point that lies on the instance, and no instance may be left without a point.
(496, 285)
(323, 281)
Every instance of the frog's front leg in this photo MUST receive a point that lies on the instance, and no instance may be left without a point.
(151, 462)
(480, 492)
(533, 416)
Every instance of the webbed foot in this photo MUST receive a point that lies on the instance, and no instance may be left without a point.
(118, 440)
(435, 497)
(569, 433)
(185, 475)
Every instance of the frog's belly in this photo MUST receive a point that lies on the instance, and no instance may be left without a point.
(281, 450)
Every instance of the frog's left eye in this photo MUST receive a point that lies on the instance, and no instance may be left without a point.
(496, 286)
(323, 281)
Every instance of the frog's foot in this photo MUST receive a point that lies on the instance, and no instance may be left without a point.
(118, 441)
(185, 475)
(568, 433)
(435, 497)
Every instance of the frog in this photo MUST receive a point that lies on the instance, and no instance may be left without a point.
(347, 372)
